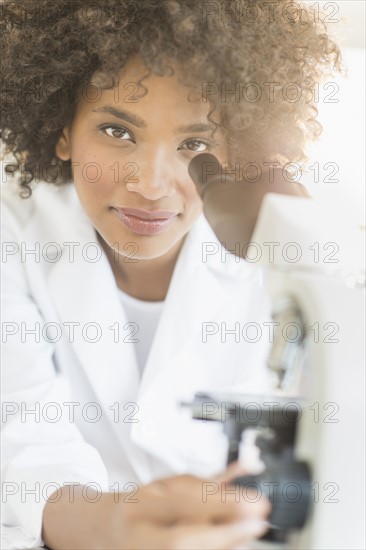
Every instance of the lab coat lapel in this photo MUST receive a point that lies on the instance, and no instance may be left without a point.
(195, 292)
(85, 292)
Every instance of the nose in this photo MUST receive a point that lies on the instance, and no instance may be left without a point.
(155, 177)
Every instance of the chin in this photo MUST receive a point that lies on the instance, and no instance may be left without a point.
(138, 248)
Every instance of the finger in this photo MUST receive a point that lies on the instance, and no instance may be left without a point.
(187, 498)
(235, 469)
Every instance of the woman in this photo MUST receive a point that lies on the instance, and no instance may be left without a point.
(119, 301)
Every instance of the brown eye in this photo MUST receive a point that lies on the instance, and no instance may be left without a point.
(196, 145)
(116, 132)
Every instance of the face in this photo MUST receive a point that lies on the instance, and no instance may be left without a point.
(130, 156)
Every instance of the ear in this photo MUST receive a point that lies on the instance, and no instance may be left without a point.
(63, 146)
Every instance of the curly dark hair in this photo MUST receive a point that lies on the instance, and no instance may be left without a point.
(51, 50)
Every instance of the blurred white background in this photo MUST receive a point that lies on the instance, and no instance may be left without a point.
(343, 139)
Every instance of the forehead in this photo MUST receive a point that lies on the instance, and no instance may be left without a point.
(150, 96)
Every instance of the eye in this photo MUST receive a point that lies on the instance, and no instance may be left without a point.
(117, 132)
(196, 145)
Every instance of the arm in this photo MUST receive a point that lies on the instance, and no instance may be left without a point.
(37, 455)
(166, 514)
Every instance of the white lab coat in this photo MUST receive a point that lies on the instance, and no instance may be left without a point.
(140, 433)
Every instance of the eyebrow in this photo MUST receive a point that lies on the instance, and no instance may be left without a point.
(140, 123)
(123, 115)
(200, 127)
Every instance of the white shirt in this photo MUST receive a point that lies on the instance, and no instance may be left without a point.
(143, 316)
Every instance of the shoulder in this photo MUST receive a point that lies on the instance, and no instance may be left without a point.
(44, 196)
(47, 204)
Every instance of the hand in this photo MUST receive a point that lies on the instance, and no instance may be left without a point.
(169, 514)
(173, 514)
(231, 207)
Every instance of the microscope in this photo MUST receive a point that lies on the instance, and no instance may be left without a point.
(310, 431)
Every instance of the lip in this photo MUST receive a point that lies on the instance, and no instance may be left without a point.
(148, 214)
(145, 222)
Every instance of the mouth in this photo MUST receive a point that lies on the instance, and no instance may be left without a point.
(148, 214)
(145, 222)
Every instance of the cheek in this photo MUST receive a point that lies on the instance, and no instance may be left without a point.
(93, 177)
(192, 195)
(193, 203)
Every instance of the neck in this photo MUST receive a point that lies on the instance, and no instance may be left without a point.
(147, 280)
